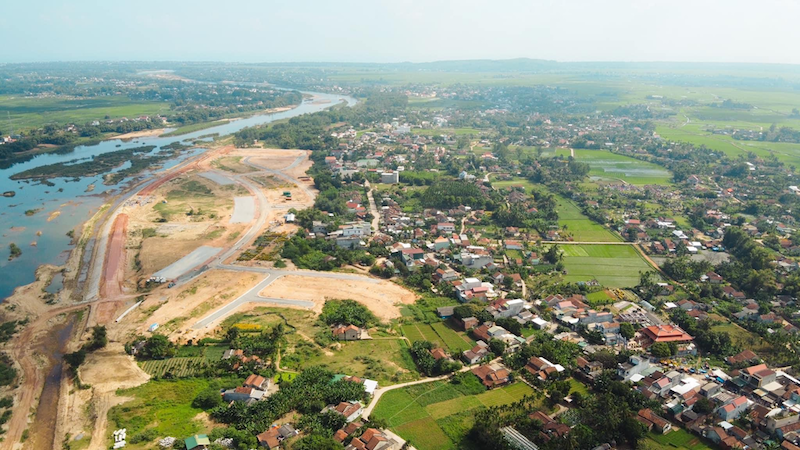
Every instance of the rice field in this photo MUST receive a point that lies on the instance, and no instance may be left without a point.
(435, 416)
(611, 166)
(581, 227)
(615, 266)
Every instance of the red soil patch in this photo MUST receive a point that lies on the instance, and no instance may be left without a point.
(114, 269)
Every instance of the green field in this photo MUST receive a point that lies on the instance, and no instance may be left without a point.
(581, 227)
(186, 129)
(695, 133)
(31, 112)
(164, 406)
(436, 416)
(439, 333)
(613, 266)
(607, 165)
(679, 439)
(578, 225)
(386, 360)
(179, 367)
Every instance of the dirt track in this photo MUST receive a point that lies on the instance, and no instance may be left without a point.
(114, 267)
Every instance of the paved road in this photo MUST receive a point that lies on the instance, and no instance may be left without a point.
(373, 208)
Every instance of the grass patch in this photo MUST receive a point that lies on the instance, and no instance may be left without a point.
(679, 438)
(161, 405)
(425, 434)
(193, 127)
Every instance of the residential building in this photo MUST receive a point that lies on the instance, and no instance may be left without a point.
(347, 333)
(633, 368)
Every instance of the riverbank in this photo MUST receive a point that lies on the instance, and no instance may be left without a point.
(139, 134)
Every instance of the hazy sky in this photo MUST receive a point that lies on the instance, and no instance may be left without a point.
(401, 30)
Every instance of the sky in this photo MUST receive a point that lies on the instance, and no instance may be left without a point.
(400, 30)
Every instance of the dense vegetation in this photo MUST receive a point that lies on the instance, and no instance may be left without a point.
(347, 312)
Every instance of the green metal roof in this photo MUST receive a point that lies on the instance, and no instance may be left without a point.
(196, 441)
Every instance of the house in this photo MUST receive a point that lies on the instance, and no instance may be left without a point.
(475, 354)
(273, 437)
(198, 441)
(243, 394)
(513, 245)
(758, 376)
(550, 427)
(734, 408)
(445, 227)
(347, 333)
(374, 439)
(633, 368)
(589, 368)
(350, 411)
(745, 356)
(445, 312)
(652, 420)
(492, 375)
(256, 382)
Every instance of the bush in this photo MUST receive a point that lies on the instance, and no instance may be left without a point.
(347, 312)
(207, 399)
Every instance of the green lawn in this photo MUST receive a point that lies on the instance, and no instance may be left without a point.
(437, 409)
(29, 112)
(615, 266)
(607, 165)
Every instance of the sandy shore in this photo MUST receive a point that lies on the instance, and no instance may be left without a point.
(140, 134)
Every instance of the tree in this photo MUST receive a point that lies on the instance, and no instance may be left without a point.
(497, 346)
(99, 338)
(207, 399)
(158, 346)
(75, 359)
(660, 350)
(626, 330)
(703, 406)
(317, 442)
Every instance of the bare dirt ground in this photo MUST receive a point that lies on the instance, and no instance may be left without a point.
(115, 261)
(182, 233)
(104, 384)
(179, 308)
(383, 299)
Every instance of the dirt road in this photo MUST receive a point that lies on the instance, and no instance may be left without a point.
(114, 267)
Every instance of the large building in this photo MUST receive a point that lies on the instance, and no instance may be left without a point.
(665, 333)
(668, 333)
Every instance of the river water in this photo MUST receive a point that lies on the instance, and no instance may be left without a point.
(75, 205)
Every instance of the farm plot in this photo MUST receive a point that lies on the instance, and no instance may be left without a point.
(437, 333)
(581, 227)
(180, 367)
(606, 165)
(614, 266)
(455, 342)
(437, 416)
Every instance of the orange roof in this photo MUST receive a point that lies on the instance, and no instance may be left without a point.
(666, 333)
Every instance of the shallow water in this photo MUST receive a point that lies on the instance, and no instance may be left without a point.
(76, 205)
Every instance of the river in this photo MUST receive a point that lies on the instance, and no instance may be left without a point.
(74, 204)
